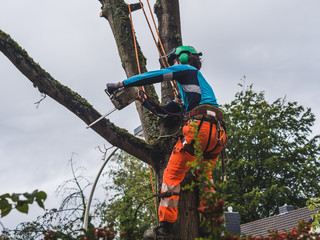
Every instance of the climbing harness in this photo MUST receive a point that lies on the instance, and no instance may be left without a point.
(215, 117)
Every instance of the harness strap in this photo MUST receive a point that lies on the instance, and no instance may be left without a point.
(189, 148)
(210, 155)
(165, 194)
(200, 124)
(218, 136)
(204, 112)
(209, 138)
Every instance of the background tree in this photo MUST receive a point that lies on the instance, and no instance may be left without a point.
(273, 158)
(126, 207)
(153, 151)
(314, 207)
(66, 221)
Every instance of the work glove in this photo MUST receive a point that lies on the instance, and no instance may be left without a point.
(112, 87)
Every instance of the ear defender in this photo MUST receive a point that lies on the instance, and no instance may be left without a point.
(184, 58)
(182, 53)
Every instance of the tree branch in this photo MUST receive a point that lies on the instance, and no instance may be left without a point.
(43, 96)
(73, 101)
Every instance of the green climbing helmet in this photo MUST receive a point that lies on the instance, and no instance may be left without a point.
(182, 53)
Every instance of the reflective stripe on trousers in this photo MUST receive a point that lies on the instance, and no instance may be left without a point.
(176, 168)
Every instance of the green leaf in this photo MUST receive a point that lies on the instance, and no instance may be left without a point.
(15, 197)
(4, 203)
(30, 196)
(22, 206)
(40, 198)
(5, 207)
(41, 195)
(6, 195)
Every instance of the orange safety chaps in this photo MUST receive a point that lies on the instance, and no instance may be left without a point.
(176, 168)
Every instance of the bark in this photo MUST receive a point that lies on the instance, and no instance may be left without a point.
(117, 14)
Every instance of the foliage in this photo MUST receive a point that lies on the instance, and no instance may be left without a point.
(20, 201)
(65, 222)
(102, 233)
(212, 210)
(130, 187)
(213, 220)
(273, 160)
(211, 207)
(314, 206)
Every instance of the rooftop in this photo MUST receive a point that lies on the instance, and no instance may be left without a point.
(285, 221)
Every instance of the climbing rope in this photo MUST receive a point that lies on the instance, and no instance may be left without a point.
(134, 40)
(164, 61)
(138, 64)
(173, 83)
(161, 51)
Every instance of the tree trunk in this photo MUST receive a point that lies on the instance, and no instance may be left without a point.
(168, 14)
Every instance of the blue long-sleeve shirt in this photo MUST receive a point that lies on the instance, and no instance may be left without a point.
(194, 89)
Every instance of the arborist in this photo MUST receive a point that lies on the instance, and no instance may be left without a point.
(201, 112)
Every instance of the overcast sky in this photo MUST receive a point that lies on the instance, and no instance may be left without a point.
(274, 43)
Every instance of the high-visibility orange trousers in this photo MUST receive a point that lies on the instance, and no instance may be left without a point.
(176, 168)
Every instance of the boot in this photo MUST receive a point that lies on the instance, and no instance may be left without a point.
(164, 229)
